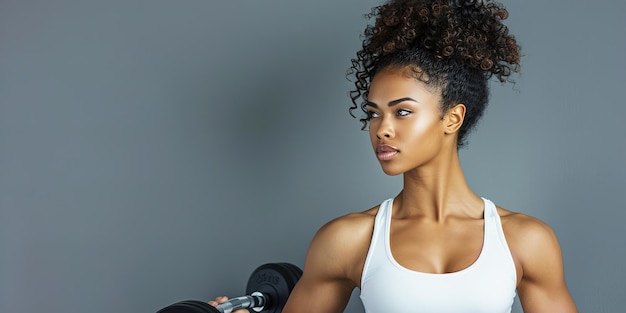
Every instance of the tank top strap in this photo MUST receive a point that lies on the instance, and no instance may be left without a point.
(376, 252)
(493, 225)
(490, 209)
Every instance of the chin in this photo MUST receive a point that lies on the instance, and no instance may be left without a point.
(392, 171)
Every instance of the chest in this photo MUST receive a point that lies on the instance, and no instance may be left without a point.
(428, 247)
(419, 267)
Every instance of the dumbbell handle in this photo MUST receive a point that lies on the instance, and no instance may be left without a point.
(256, 301)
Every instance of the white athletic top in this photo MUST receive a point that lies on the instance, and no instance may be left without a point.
(486, 286)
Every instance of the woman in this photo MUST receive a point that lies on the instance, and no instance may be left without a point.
(422, 82)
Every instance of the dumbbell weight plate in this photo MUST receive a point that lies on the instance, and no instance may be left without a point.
(275, 280)
(296, 271)
(189, 306)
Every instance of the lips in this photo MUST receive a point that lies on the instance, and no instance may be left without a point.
(385, 152)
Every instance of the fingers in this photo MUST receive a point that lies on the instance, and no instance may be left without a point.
(218, 300)
(222, 299)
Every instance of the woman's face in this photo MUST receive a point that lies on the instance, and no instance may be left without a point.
(406, 126)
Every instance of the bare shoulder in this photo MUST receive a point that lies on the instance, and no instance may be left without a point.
(522, 229)
(539, 263)
(347, 233)
(348, 226)
(340, 246)
(533, 244)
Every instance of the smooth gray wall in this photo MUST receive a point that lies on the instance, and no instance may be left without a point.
(155, 151)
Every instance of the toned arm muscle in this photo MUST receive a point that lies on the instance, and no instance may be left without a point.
(331, 267)
(542, 287)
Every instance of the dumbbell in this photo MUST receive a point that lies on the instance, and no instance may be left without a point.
(267, 291)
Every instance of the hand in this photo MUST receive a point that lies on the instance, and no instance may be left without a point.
(222, 299)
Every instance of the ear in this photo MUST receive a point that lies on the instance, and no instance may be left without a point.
(454, 118)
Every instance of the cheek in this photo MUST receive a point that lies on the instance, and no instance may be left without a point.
(372, 132)
(423, 132)
(373, 140)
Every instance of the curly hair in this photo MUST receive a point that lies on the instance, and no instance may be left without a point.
(454, 46)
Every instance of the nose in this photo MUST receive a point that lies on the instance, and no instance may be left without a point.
(385, 130)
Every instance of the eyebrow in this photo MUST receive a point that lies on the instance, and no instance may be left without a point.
(392, 102)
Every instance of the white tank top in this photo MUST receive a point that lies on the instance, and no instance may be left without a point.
(486, 286)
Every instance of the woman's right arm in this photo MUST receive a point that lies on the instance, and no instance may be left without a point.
(333, 266)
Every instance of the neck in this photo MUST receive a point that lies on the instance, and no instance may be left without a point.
(438, 190)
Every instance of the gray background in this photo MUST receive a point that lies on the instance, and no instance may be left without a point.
(155, 151)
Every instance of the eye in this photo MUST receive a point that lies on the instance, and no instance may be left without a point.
(372, 114)
(403, 112)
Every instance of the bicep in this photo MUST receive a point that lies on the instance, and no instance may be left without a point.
(323, 287)
(536, 298)
(317, 296)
